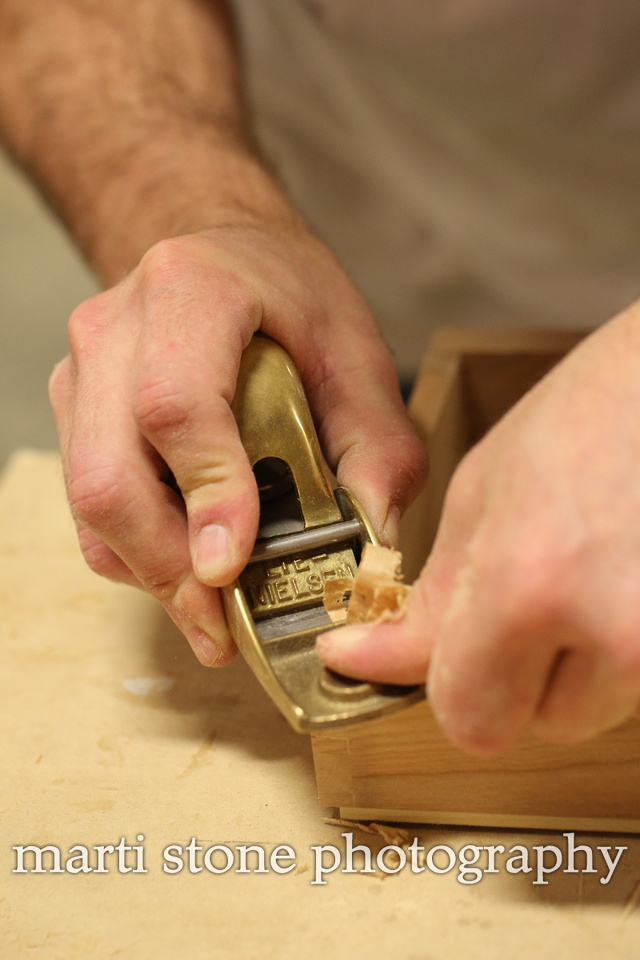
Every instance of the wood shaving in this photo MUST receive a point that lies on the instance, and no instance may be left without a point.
(374, 595)
(337, 593)
(394, 836)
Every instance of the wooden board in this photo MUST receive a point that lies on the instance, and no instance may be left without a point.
(403, 768)
(110, 728)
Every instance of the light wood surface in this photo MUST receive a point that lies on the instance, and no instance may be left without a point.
(110, 728)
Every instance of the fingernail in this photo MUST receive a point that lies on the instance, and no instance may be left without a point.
(207, 652)
(344, 640)
(391, 528)
(213, 552)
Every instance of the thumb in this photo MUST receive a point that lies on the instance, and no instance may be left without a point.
(400, 651)
(392, 652)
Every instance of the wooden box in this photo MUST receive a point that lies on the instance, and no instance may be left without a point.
(402, 767)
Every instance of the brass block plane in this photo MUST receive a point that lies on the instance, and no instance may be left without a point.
(309, 534)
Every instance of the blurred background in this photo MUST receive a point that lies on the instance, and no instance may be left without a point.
(42, 278)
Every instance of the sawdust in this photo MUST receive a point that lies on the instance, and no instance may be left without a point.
(392, 835)
(374, 595)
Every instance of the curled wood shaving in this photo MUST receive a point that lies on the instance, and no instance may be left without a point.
(395, 836)
(375, 593)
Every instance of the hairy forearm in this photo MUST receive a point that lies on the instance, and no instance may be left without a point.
(129, 115)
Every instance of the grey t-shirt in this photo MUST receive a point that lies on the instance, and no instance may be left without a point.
(470, 161)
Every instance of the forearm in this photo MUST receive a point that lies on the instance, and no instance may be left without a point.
(129, 115)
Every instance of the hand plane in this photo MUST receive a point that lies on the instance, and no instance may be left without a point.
(309, 533)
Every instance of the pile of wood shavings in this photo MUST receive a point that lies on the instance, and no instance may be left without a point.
(392, 835)
(375, 594)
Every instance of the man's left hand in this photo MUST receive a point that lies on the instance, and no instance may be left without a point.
(527, 613)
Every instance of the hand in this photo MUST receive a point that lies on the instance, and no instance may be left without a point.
(144, 396)
(527, 613)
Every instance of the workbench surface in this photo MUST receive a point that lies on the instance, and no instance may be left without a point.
(111, 729)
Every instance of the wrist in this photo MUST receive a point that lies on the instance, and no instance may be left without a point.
(181, 180)
(131, 142)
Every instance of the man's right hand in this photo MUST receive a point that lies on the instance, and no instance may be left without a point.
(144, 398)
(129, 114)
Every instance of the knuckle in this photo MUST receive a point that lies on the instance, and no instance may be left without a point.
(100, 497)
(468, 729)
(222, 473)
(163, 259)
(531, 589)
(187, 263)
(160, 587)
(59, 382)
(163, 404)
(167, 261)
(174, 587)
(86, 320)
(99, 557)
